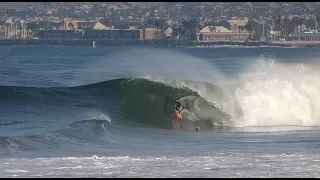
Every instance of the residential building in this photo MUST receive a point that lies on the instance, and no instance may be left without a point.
(220, 33)
(238, 24)
(69, 24)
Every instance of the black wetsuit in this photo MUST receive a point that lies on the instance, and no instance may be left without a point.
(178, 106)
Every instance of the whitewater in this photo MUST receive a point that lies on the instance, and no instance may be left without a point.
(108, 112)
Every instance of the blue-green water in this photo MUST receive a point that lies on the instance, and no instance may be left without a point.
(108, 111)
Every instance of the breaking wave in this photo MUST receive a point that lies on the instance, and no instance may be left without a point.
(280, 95)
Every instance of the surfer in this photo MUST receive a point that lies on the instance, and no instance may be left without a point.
(178, 106)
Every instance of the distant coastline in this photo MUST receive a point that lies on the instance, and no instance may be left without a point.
(155, 42)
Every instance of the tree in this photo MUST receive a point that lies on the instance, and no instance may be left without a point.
(225, 24)
(94, 10)
(188, 27)
(180, 31)
(105, 21)
(122, 26)
(162, 25)
(310, 23)
(301, 22)
(71, 26)
(51, 25)
(286, 26)
(274, 18)
(32, 26)
(249, 26)
(295, 22)
(174, 26)
(254, 29)
(318, 20)
(278, 23)
(317, 14)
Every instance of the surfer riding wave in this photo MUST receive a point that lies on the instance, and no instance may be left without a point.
(178, 106)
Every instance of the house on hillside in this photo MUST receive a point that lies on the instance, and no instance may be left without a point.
(219, 33)
(69, 24)
(238, 25)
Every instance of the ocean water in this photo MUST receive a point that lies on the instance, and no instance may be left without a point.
(70, 111)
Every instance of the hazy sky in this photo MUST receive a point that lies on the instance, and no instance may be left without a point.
(5, 5)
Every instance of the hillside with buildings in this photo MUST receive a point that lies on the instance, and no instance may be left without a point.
(199, 21)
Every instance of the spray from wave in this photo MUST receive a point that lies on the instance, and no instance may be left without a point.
(277, 94)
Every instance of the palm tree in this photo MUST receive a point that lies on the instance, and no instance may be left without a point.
(274, 18)
(310, 23)
(278, 25)
(19, 29)
(295, 22)
(188, 26)
(7, 30)
(251, 27)
(286, 26)
(105, 21)
(314, 22)
(32, 26)
(302, 21)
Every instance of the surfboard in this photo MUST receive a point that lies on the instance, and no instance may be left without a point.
(179, 115)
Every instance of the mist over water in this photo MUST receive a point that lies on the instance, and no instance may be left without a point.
(152, 62)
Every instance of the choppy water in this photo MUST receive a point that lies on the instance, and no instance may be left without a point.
(108, 112)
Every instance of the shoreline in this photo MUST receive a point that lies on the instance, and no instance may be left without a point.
(192, 43)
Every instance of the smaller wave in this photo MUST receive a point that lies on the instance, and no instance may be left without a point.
(101, 118)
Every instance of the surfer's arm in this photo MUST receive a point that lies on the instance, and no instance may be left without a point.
(181, 108)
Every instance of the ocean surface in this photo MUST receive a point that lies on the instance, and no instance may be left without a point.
(70, 111)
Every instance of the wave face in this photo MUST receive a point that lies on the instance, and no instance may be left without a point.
(139, 100)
